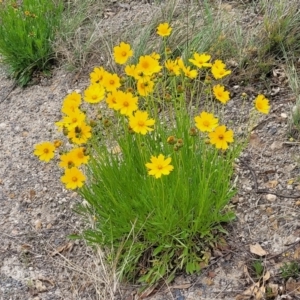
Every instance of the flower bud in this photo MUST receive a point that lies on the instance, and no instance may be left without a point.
(171, 140)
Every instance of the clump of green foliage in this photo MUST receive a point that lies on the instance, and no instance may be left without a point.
(27, 31)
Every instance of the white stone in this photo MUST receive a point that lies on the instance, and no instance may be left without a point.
(271, 197)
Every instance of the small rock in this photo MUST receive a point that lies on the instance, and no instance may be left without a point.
(38, 224)
(276, 145)
(271, 197)
(283, 115)
(2, 125)
(289, 187)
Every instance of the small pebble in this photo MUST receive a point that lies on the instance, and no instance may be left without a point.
(38, 224)
(283, 115)
(2, 125)
(271, 197)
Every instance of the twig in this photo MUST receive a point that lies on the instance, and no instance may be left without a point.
(12, 88)
(266, 191)
(291, 143)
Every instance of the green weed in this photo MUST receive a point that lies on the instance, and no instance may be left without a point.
(27, 31)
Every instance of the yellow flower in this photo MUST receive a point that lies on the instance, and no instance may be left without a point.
(71, 102)
(221, 94)
(206, 122)
(27, 13)
(94, 93)
(97, 75)
(155, 55)
(201, 60)
(219, 64)
(262, 104)
(145, 86)
(192, 74)
(172, 67)
(126, 103)
(67, 160)
(140, 123)
(218, 69)
(80, 134)
(111, 99)
(45, 151)
(164, 29)
(79, 156)
(220, 137)
(180, 63)
(73, 119)
(111, 82)
(159, 166)
(122, 53)
(129, 70)
(148, 65)
(73, 178)
(57, 143)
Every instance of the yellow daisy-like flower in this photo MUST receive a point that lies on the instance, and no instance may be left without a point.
(111, 82)
(94, 93)
(180, 63)
(145, 86)
(111, 99)
(97, 75)
(140, 123)
(148, 65)
(206, 122)
(159, 166)
(44, 151)
(218, 69)
(80, 134)
(71, 102)
(67, 160)
(73, 119)
(155, 55)
(262, 104)
(219, 64)
(126, 103)
(188, 72)
(172, 67)
(73, 178)
(221, 94)
(79, 156)
(220, 137)
(130, 70)
(164, 29)
(201, 60)
(122, 53)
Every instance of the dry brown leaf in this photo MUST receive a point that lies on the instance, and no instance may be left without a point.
(292, 286)
(266, 276)
(66, 247)
(273, 289)
(209, 281)
(271, 184)
(148, 292)
(253, 290)
(39, 286)
(297, 253)
(258, 250)
(42, 278)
